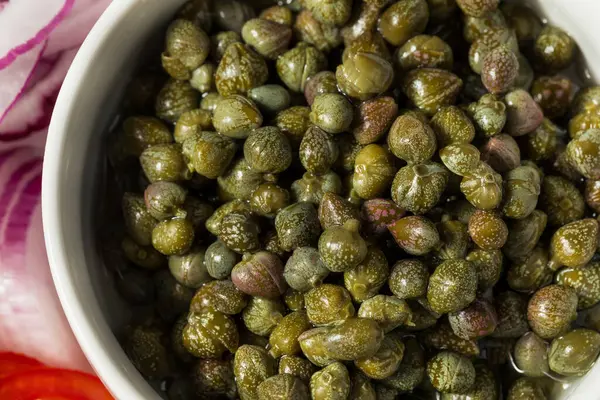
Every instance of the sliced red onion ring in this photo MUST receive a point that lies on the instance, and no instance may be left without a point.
(33, 110)
(26, 24)
(16, 76)
(31, 319)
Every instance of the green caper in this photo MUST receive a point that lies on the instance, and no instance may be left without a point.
(460, 158)
(415, 234)
(297, 366)
(430, 89)
(512, 315)
(554, 49)
(213, 223)
(488, 264)
(483, 187)
(582, 122)
(331, 112)
(485, 386)
(252, 365)
(489, 114)
(411, 139)
(311, 188)
(305, 269)
(294, 122)
(452, 126)
(268, 198)
(524, 234)
(313, 345)
(374, 171)
(140, 132)
(390, 312)
(365, 280)
(294, 300)
(270, 99)
(411, 371)
(385, 362)
(164, 199)
(187, 46)
(283, 387)
(584, 280)
(174, 99)
(488, 230)
(220, 260)
(403, 20)
(331, 383)
(270, 39)
(145, 348)
(173, 237)
(138, 219)
(164, 162)
(531, 273)
(323, 36)
(262, 315)
(583, 153)
(318, 150)
(236, 116)
(573, 245)
(452, 286)
(424, 51)
(142, 256)
(190, 269)
(418, 188)
(334, 210)
(268, 150)
(409, 279)
(239, 181)
(526, 388)
(221, 41)
(574, 353)
(239, 70)
(342, 247)
(203, 79)
(328, 305)
(353, 339)
(284, 338)
(531, 355)
(442, 337)
(451, 372)
(209, 334)
(364, 75)
(551, 310)
(239, 232)
(295, 66)
(297, 226)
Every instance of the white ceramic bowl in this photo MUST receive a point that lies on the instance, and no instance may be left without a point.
(74, 157)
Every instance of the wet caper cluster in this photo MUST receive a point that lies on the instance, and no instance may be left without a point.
(337, 199)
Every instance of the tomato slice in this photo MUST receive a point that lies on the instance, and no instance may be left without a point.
(52, 384)
(11, 363)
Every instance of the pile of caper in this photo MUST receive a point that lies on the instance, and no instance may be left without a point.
(337, 199)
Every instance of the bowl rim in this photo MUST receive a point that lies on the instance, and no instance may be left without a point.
(94, 336)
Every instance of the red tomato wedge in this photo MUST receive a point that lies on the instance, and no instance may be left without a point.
(52, 384)
(11, 363)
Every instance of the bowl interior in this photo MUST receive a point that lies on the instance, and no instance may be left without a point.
(75, 161)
